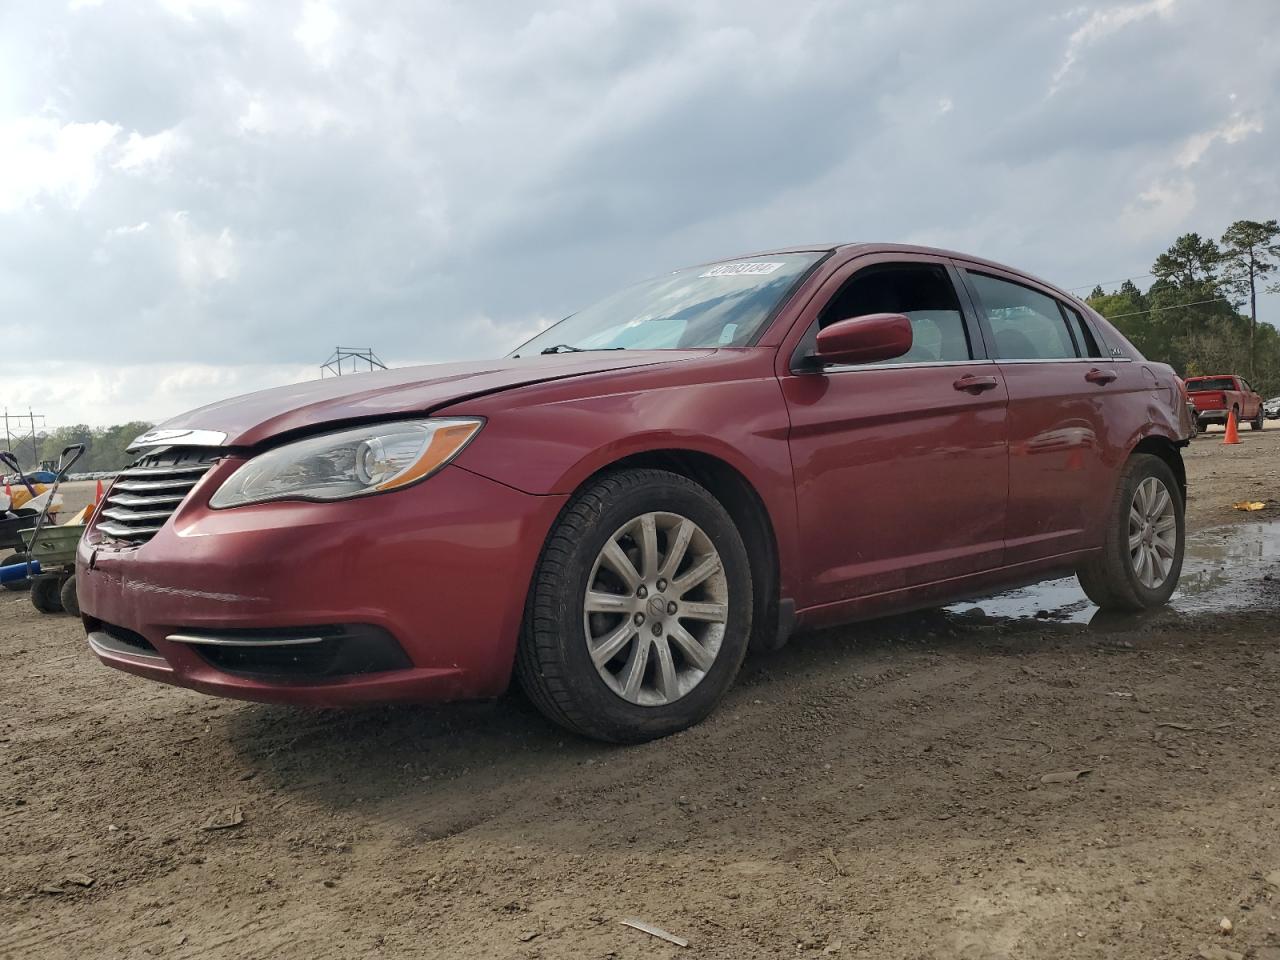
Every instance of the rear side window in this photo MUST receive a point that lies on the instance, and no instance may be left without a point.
(923, 293)
(1083, 336)
(1027, 324)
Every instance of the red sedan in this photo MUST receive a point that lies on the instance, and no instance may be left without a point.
(699, 464)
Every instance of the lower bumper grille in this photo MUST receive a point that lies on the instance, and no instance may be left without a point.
(301, 653)
(144, 497)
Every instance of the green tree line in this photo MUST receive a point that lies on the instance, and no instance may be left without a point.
(1200, 314)
(104, 447)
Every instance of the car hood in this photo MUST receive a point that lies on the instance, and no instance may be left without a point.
(255, 417)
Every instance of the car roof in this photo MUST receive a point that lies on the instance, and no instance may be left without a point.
(860, 248)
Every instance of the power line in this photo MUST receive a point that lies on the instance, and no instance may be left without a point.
(1104, 283)
(1196, 303)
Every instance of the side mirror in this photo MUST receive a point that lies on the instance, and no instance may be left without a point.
(866, 339)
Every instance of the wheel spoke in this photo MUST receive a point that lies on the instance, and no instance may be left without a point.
(633, 672)
(676, 548)
(1140, 499)
(598, 602)
(694, 652)
(1162, 548)
(691, 578)
(649, 546)
(712, 612)
(1166, 525)
(617, 560)
(1135, 541)
(1140, 567)
(666, 675)
(1136, 519)
(605, 650)
(1160, 502)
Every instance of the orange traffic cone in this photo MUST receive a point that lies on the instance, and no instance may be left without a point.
(97, 496)
(1233, 431)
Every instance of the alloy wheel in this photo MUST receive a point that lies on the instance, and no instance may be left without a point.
(655, 609)
(1153, 532)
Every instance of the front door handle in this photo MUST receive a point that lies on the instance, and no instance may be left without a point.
(1100, 376)
(976, 384)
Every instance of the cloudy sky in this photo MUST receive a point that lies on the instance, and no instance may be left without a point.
(203, 197)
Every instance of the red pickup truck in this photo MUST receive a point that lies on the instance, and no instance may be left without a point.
(1215, 397)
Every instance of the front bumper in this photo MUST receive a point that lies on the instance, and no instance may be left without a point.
(441, 568)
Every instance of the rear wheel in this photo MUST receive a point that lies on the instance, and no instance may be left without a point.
(17, 586)
(1139, 565)
(640, 609)
(44, 595)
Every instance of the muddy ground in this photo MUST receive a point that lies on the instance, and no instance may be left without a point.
(876, 791)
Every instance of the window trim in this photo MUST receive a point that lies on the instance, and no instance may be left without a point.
(797, 363)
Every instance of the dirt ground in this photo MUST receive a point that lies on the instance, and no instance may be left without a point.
(876, 791)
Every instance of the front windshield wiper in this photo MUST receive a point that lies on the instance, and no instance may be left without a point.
(569, 348)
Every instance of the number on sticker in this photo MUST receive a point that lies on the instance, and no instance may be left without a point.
(744, 269)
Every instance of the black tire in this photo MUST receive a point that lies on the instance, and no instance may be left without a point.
(44, 595)
(553, 663)
(17, 586)
(68, 596)
(1109, 578)
(1258, 422)
(1201, 426)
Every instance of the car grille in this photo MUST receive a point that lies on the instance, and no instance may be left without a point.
(146, 495)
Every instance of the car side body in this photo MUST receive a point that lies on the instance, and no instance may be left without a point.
(859, 490)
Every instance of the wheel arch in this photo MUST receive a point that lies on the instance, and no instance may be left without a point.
(771, 617)
(1170, 452)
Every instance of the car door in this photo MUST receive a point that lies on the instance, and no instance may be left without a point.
(1060, 390)
(901, 467)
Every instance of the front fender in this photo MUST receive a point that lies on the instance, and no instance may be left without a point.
(549, 441)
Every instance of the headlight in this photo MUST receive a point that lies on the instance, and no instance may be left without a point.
(353, 463)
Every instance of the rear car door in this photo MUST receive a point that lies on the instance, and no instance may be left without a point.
(1060, 390)
(901, 467)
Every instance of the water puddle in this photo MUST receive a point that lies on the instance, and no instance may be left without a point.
(1222, 570)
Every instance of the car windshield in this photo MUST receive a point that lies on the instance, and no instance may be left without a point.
(714, 305)
(1211, 383)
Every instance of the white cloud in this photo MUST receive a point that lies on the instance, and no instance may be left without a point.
(203, 258)
(1101, 24)
(319, 31)
(141, 153)
(1160, 210)
(1233, 130)
(41, 157)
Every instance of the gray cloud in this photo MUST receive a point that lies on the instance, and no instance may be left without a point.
(211, 194)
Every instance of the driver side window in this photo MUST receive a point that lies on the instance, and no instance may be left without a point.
(923, 293)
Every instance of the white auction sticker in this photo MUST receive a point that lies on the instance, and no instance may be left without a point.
(743, 269)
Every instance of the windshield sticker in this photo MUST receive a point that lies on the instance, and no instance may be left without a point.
(743, 269)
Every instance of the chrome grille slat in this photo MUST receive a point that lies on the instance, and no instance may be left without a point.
(135, 516)
(197, 471)
(142, 485)
(121, 532)
(143, 498)
(128, 500)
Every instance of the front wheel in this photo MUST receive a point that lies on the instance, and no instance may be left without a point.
(640, 609)
(1258, 422)
(1140, 562)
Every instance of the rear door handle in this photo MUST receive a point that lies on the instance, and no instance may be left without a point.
(1100, 376)
(976, 384)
